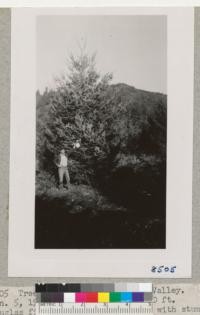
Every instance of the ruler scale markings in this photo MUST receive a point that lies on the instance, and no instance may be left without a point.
(94, 309)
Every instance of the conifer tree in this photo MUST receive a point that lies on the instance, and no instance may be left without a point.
(79, 110)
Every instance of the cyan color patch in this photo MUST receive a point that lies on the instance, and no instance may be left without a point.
(126, 297)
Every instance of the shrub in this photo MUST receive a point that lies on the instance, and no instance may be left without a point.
(44, 182)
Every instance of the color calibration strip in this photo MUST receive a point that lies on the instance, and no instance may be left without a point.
(94, 287)
(94, 297)
(94, 293)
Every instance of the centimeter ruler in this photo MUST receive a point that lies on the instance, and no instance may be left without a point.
(93, 308)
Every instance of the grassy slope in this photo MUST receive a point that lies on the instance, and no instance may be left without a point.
(81, 218)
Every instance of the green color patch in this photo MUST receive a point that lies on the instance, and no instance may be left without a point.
(115, 297)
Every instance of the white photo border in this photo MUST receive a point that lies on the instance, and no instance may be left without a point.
(26, 261)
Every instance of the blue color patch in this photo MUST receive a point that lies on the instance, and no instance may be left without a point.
(126, 297)
(138, 296)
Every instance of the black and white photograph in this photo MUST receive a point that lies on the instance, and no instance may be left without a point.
(101, 132)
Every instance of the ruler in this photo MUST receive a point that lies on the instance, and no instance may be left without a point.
(93, 308)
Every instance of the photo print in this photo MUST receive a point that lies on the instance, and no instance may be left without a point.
(101, 142)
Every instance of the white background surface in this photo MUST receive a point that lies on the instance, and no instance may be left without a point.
(100, 3)
(23, 259)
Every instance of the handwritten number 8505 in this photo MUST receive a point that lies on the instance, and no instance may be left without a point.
(163, 269)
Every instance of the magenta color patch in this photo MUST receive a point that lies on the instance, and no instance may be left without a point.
(80, 297)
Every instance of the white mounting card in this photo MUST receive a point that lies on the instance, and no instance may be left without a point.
(174, 261)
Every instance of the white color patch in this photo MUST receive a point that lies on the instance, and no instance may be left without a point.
(145, 287)
(69, 297)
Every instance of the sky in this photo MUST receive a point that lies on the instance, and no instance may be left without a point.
(133, 48)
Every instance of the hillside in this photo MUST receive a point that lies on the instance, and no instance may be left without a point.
(144, 102)
(128, 93)
(121, 93)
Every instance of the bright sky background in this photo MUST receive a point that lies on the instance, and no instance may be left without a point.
(133, 48)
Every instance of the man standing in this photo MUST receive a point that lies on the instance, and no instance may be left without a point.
(62, 169)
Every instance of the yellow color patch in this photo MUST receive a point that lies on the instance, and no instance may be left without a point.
(103, 297)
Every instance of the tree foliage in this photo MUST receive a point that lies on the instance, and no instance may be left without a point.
(77, 110)
(122, 131)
